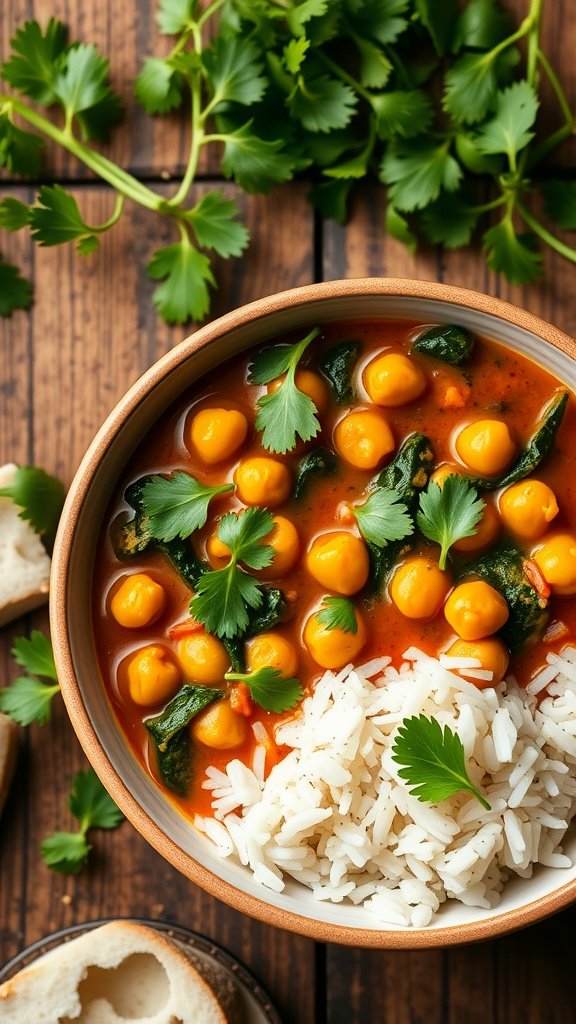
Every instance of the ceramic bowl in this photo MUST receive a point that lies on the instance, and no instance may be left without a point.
(523, 901)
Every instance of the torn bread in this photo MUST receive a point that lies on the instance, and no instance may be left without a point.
(8, 752)
(24, 562)
(120, 973)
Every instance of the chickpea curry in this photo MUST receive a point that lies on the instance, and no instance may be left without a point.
(330, 498)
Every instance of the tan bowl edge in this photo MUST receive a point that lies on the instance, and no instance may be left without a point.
(318, 930)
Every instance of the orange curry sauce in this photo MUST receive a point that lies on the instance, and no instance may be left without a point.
(496, 383)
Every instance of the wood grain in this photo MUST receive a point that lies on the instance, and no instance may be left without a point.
(91, 332)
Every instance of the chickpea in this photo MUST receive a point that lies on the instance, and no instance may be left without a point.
(220, 727)
(556, 560)
(486, 446)
(332, 648)
(308, 383)
(262, 481)
(393, 379)
(153, 675)
(138, 601)
(475, 610)
(203, 658)
(217, 551)
(285, 542)
(272, 650)
(486, 532)
(419, 588)
(339, 561)
(492, 655)
(364, 438)
(528, 507)
(217, 433)
(443, 471)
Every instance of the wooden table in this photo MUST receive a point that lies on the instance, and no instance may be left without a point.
(91, 333)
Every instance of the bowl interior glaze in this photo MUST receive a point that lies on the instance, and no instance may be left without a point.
(143, 802)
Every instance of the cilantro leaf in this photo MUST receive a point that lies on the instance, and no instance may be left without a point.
(256, 164)
(91, 804)
(235, 70)
(287, 413)
(57, 219)
(270, 689)
(481, 26)
(449, 513)
(175, 15)
(96, 122)
(13, 214)
(34, 653)
(511, 254)
(375, 67)
(214, 223)
(397, 227)
(82, 82)
(417, 170)
(34, 62)
(322, 104)
(28, 700)
(186, 273)
(303, 12)
(355, 167)
(40, 498)
(559, 200)
(508, 131)
(383, 517)
(223, 596)
(158, 87)
(15, 291)
(439, 19)
(294, 53)
(470, 87)
(20, 151)
(432, 761)
(338, 613)
(93, 808)
(449, 221)
(176, 506)
(383, 20)
(66, 852)
(402, 112)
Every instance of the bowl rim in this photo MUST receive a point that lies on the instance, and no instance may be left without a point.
(306, 295)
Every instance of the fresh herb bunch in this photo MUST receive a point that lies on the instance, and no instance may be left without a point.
(93, 808)
(433, 99)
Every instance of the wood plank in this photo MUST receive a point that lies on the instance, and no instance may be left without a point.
(514, 979)
(94, 331)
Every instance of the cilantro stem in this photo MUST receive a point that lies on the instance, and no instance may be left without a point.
(113, 219)
(344, 76)
(545, 235)
(526, 26)
(209, 12)
(557, 87)
(197, 117)
(106, 169)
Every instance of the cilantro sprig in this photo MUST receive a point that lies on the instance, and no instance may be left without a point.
(438, 101)
(223, 596)
(432, 761)
(29, 698)
(383, 517)
(449, 513)
(92, 807)
(338, 613)
(270, 689)
(176, 506)
(286, 413)
(40, 498)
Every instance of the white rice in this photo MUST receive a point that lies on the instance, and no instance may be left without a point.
(335, 815)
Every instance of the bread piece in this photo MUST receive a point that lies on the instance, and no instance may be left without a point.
(121, 973)
(24, 563)
(8, 753)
